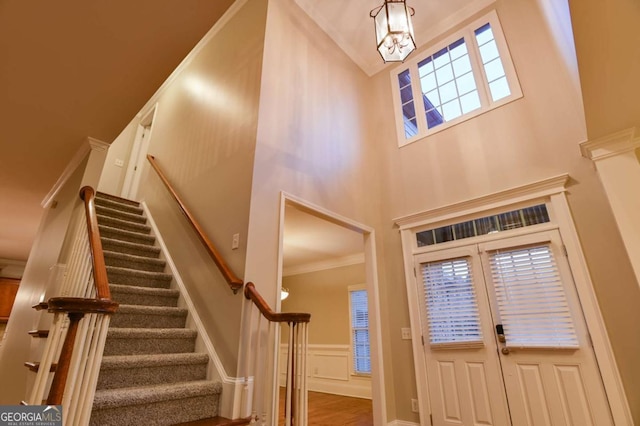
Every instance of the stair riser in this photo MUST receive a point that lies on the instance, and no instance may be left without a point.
(138, 346)
(140, 265)
(128, 237)
(138, 280)
(143, 299)
(158, 413)
(146, 376)
(126, 320)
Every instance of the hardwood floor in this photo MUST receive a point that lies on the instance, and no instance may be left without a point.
(334, 410)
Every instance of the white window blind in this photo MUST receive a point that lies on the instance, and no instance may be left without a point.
(360, 331)
(531, 299)
(452, 309)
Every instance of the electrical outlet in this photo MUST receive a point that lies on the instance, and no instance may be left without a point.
(406, 333)
(119, 162)
(236, 241)
(414, 405)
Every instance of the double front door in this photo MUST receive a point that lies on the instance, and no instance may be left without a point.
(505, 340)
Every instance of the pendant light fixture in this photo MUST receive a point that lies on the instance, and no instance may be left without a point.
(394, 30)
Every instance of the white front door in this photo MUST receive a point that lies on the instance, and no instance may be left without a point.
(530, 326)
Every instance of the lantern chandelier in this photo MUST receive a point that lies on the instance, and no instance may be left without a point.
(394, 31)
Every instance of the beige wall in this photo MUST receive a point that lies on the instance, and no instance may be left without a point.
(112, 177)
(203, 138)
(607, 40)
(314, 141)
(325, 295)
(18, 346)
(530, 139)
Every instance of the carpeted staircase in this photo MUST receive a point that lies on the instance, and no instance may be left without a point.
(150, 374)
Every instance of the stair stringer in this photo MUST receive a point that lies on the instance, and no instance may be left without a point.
(234, 389)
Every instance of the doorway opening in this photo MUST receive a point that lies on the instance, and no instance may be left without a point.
(138, 155)
(328, 270)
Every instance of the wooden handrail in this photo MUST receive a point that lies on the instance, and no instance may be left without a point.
(252, 294)
(234, 282)
(100, 279)
(77, 307)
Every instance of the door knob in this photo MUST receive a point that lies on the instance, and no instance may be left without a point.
(505, 351)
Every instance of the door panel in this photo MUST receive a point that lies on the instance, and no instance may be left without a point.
(550, 373)
(464, 377)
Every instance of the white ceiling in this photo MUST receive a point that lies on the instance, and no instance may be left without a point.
(348, 23)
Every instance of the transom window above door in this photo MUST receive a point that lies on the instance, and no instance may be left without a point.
(468, 74)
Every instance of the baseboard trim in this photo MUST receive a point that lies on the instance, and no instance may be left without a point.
(402, 423)
(232, 387)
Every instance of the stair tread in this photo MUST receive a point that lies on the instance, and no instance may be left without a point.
(105, 202)
(128, 225)
(134, 257)
(119, 214)
(121, 270)
(115, 198)
(129, 245)
(155, 360)
(111, 398)
(156, 333)
(151, 310)
(151, 291)
(106, 229)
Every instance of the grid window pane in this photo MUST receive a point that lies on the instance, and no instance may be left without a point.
(499, 89)
(489, 51)
(441, 58)
(428, 82)
(408, 106)
(461, 66)
(425, 66)
(494, 70)
(457, 49)
(466, 84)
(449, 79)
(452, 75)
(444, 74)
(470, 102)
(433, 97)
(360, 331)
(484, 34)
(485, 225)
(451, 110)
(448, 91)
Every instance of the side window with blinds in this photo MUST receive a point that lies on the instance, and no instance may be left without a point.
(452, 309)
(531, 298)
(360, 331)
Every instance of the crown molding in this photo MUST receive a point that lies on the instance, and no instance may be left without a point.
(611, 145)
(534, 190)
(337, 262)
(90, 144)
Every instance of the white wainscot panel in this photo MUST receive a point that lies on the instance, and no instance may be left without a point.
(329, 371)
